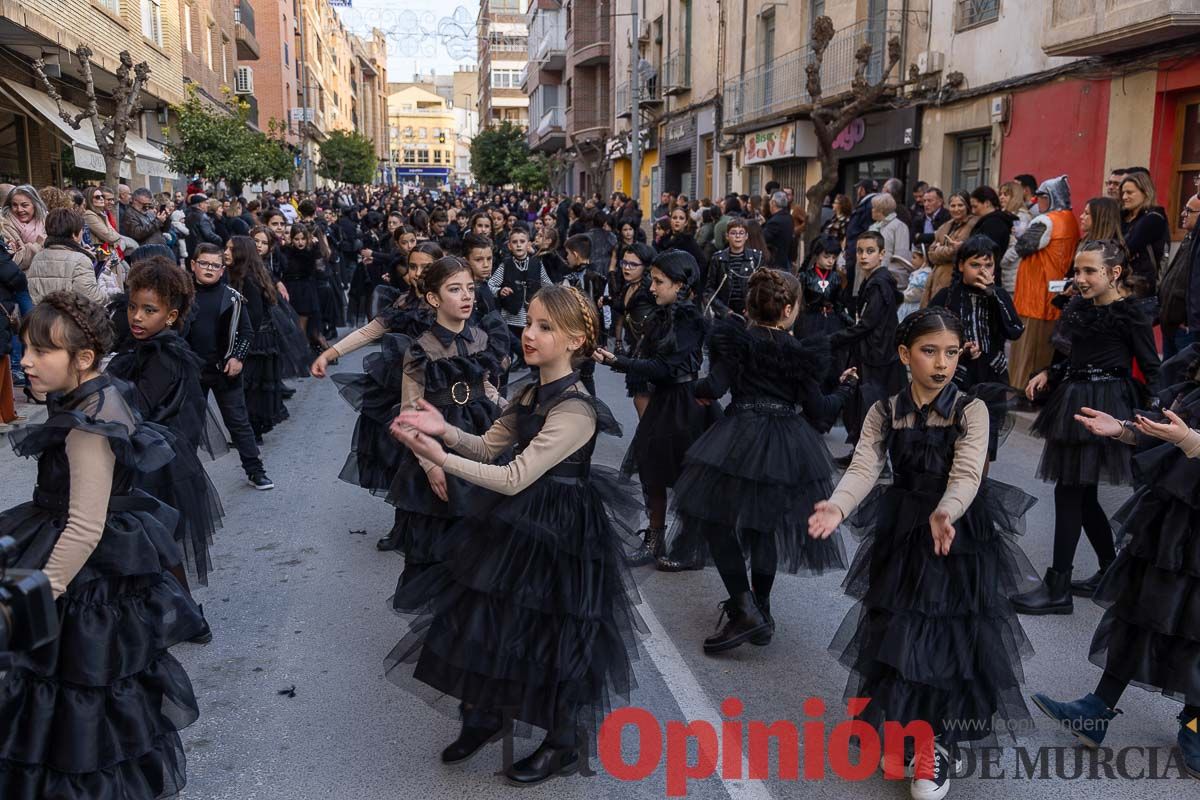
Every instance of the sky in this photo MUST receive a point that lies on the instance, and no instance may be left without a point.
(423, 35)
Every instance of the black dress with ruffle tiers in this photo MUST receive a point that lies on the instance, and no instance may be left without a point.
(96, 713)
(1150, 632)
(1105, 341)
(530, 609)
(934, 638)
(452, 369)
(164, 373)
(763, 466)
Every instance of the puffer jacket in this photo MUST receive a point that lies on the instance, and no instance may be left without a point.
(61, 268)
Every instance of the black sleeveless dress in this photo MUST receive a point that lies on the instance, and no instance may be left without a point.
(934, 638)
(531, 608)
(1150, 632)
(96, 713)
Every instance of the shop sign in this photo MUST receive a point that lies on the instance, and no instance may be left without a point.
(881, 132)
(794, 140)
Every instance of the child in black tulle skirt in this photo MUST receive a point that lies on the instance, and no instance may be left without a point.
(1108, 334)
(529, 612)
(164, 374)
(750, 482)
(666, 361)
(262, 371)
(96, 712)
(1150, 633)
(455, 366)
(933, 638)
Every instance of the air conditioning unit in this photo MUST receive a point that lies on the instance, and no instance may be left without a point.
(930, 61)
(243, 81)
(644, 30)
(999, 108)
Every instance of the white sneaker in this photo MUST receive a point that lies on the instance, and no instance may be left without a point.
(935, 783)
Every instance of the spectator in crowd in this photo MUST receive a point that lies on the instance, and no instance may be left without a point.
(943, 251)
(141, 221)
(841, 210)
(1112, 184)
(858, 224)
(199, 225)
(98, 219)
(895, 187)
(1012, 196)
(666, 201)
(1144, 225)
(1047, 250)
(23, 225)
(897, 252)
(935, 216)
(916, 210)
(778, 232)
(732, 208)
(1029, 189)
(1179, 291)
(994, 221)
(63, 264)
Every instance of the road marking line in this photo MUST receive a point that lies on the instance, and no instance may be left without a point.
(693, 701)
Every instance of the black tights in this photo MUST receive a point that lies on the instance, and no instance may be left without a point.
(656, 505)
(1111, 688)
(731, 563)
(1077, 507)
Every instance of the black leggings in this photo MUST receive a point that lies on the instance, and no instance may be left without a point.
(1077, 507)
(731, 563)
(1111, 688)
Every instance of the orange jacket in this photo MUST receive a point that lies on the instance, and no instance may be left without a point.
(1051, 263)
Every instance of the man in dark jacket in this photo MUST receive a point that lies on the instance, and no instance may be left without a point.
(935, 216)
(235, 223)
(778, 231)
(860, 223)
(141, 222)
(199, 224)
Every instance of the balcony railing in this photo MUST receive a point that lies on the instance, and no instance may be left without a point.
(243, 30)
(548, 35)
(649, 95)
(243, 14)
(553, 118)
(591, 32)
(677, 73)
(782, 85)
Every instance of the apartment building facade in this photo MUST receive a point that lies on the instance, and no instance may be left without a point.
(503, 56)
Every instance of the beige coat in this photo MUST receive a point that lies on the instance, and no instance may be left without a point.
(61, 268)
(946, 241)
(22, 252)
(100, 228)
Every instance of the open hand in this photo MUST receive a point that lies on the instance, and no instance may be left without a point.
(824, 520)
(422, 445)
(425, 418)
(1098, 423)
(1174, 430)
(437, 482)
(943, 532)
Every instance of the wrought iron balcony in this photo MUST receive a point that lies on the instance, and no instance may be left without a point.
(243, 31)
(677, 73)
(649, 97)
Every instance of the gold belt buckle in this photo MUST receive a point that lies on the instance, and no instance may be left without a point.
(466, 388)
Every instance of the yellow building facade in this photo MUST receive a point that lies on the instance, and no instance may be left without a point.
(423, 131)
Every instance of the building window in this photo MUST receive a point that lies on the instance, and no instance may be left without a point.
(1187, 162)
(421, 133)
(816, 9)
(208, 45)
(437, 156)
(187, 26)
(976, 12)
(152, 20)
(285, 54)
(423, 155)
(506, 79)
(972, 161)
(112, 5)
(224, 60)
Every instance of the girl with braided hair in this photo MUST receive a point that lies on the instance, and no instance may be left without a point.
(98, 709)
(529, 612)
(933, 637)
(750, 481)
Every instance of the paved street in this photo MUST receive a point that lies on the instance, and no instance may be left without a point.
(299, 598)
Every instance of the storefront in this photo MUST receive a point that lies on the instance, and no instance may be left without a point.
(777, 154)
(678, 156)
(428, 177)
(878, 146)
(1175, 158)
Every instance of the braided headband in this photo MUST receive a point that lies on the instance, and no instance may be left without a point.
(68, 305)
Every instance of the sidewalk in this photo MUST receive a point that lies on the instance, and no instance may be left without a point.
(33, 414)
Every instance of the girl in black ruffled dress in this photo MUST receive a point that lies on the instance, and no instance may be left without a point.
(262, 373)
(529, 612)
(96, 712)
(665, 363)
(1107, 335)
(750, 482)
(294, 352)
(1150, 633)
(933, 638)
(454, 366)
(824, 302)
(164, 374)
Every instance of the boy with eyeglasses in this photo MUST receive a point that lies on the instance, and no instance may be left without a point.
(220, 333)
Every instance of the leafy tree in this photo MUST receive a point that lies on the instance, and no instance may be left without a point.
(348, 157)
(498, 153)
(534, 174)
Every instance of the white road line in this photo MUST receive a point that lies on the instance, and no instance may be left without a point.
(693, 701)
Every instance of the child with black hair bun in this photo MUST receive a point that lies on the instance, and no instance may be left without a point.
(262, 373)
(870, 341)
(164, 375)
(300, 278)
(987, 312)
(933, 637)
(750, 482)
(823, 309)
(295, 353)
(666, 361)
(97, 711)
(1108, 333)
(454, 366)
(529, 612)
(1150, 633)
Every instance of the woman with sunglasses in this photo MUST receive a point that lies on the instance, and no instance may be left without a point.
(97, 221)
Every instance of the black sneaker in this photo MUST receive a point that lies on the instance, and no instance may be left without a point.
(260, 481)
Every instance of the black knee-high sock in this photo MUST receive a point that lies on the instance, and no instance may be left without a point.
(1068, 524)
(764, 561)
(656, 506)
(1110, 689)
(1095, 525)
(727, 555)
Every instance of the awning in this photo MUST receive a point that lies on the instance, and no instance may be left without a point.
(148, 158)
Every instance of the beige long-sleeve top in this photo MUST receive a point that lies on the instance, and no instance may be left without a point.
(1190, 444)
(970, 458)
(373, 331)
(91, 469)
(568, 427)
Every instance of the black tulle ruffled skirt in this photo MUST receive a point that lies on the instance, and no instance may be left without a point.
(934, 638)
(1072, 456)
(295, 353)
(673, 420)
(184, 485)
(262, 380)
(375, 455)
(96, 713)
(530, 609)
(1150, 632)
(875, 384)
(756, 474)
